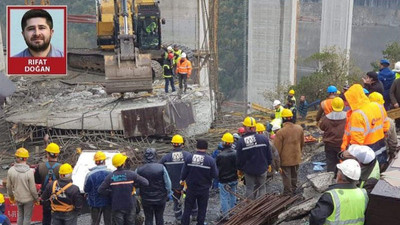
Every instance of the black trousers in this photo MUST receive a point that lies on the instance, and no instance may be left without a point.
(331, 157)
(190, 202)
(153, 211)
(46, 213)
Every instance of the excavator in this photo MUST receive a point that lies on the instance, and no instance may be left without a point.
(128, 37)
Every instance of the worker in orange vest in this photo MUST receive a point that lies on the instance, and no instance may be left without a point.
(184, 70)
(326, 105)
(367, 123)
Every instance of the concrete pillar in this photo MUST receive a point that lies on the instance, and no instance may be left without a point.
(271, 47)
(336, 24)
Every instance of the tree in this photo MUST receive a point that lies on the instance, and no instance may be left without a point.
(392, 52)
(334, 68)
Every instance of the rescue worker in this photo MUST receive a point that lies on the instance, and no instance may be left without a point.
(65, 198)
(343, 202)
(227, 175)
(99, 204)
(397, 70)
(391, 137)
(184, 70)
(173, 162)
(45, 173)
(241, 131)
(278, 109)
(260, 129)
(371, 82)
(168, 75)
(370, 173)
(4, 220)
(21, 187)
(236, 138)
(121, 184)
(291, 99)
(303, 107)
(333, 125)
(367, 124)
(198, 172)
(386, 76)
(326, 105)
(289, 142)
(155, 195)
(254, 159)
(169, 55)
(177, 54)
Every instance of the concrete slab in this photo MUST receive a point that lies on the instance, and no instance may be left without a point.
(321, 181)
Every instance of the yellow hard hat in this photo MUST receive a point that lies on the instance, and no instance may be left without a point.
(22, 153)
(337, 104)
(65, 169)
(119, 159)
(228, 138)
(249, 122)
(260, 127)
(376, 97)
(1, 198)
(286, 113)
(99, 156)
(177, 139)
(53, 148)
(291, 92)
(338, 92)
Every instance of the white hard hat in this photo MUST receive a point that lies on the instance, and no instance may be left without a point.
(397, 67)
(350, 168)
(276, 102)
(364, 154)
(275, 127)
(183, 55)
(169, 48)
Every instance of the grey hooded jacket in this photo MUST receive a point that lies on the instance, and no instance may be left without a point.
(21, 183)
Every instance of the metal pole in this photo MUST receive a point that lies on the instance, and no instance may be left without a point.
(125, 15)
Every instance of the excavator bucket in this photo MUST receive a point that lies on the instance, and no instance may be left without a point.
(128, 75)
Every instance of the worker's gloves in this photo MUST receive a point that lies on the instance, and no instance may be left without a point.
(269, 169)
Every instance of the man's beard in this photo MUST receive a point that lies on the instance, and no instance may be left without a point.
(40, 47)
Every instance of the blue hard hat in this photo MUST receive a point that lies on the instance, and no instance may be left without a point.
(385, 61)
(331, 89)
(366, 91)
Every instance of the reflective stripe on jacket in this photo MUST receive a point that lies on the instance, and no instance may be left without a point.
(376, 173)
(278, 112)
(349, 206)
(184, 67)
(57, 204)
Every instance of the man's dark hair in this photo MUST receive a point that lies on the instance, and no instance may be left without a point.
(33, 13)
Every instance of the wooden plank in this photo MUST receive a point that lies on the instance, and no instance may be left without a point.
(261, 108)
(394, 113)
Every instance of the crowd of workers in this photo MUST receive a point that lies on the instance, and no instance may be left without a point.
(177, 65)
(359, 141)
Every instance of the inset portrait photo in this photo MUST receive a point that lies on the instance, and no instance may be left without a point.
(36, 40)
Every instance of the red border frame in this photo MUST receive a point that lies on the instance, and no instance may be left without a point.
(16, 65)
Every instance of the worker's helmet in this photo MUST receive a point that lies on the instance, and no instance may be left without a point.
(65, 169)
(169, 48)
(227, 138)
(376, 97)
(363, 153)
(350, 168)
(331, 89)
(291, 92)
(260, 127)
(286, 113)
(241, 130)
(338, 92)
(365, 91)
(236, 136)
(385, 61)
(1, 198)
(275, 127)
(22, 153)
(337, 104)
(183, 55)
(276, 103)
(177, 139)
(53, 148)
(99, 156)
(119, 159)
(397, 67)
(249, 122)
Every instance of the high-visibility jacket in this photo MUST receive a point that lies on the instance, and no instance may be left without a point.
(56, 204)
(278, 112)
(375, 173)
(346, 135)
(184, 67)
(397, 75)
(349, 206)
(167, 71)
(326, 105)
(177, 55)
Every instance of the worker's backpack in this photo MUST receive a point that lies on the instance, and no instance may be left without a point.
(50, 174)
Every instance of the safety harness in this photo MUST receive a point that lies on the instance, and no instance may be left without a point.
(50, 174)
(56, 204)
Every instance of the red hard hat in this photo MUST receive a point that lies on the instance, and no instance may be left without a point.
(241, 130)
(170, 56)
